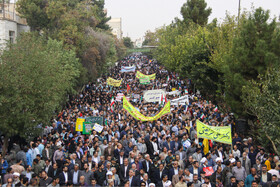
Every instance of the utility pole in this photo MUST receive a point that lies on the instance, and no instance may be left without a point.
(238, 11)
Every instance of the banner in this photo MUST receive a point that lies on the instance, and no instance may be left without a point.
(175, 92)
(144, 80)
(217, 134)
(95, 119)
(87, 127)
(153, 95)
(114, 82)
(126, 69)
(137, 115)
(141, 75)
(119, 97)
(180, 101)
(79, 124)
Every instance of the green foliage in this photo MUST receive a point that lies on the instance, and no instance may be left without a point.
(151, 38)
(188, 53)
(263, 101)
(35, 13)
(248, 53)
(101, 15)
(35, 77)
(127, 42)
(195, 11)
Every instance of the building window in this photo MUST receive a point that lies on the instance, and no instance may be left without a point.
(12, 36)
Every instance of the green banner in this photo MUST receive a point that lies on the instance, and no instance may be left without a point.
(137, 115)
(95, 119)
(87, 127)
(144, 80)
(217, 134)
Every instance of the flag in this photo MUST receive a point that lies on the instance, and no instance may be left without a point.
(161, 99)
(112, 103)
(216, 109)
(205, 146)
(186, 91)
(202, 116)
(165, 100)
(128, 88)
(141, 99)
(168, 79)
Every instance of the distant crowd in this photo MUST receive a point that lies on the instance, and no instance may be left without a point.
(128, 152)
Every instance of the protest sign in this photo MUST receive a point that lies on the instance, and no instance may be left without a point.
(141, 75)
(175, 92)
(114, 82)
(119, 97)
(208, 171)
(87, 127)
(144, 80)
(79, 124)
(98, 128)
(126, 69)
(153, 95)
(217, 134)
(180, 101)
(137, 115)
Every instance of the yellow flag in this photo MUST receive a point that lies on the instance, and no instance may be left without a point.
(205, 146)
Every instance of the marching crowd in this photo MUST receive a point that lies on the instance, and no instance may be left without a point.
(128, 152)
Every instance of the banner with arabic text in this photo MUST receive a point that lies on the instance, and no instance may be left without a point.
(144, 80)
(114, 82)
(217, 134)
(137, 115)
(141, 75)
(126, 69)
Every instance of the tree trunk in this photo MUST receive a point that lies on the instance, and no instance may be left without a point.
(5, 145)
(273, 144)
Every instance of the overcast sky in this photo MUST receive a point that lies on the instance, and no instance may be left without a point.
(138, 16)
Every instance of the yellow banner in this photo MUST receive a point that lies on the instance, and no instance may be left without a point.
(114, 82)
(79, 124)
(137, 115)
(217, 134)
(141, 75)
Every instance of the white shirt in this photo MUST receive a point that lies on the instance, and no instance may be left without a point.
(155, 146)
(274, 172)
(175, 171)
(65, 176)
(75, 177)
(125, 169)
(121, 159)
(147, 163)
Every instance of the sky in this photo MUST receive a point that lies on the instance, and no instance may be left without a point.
(138, 16)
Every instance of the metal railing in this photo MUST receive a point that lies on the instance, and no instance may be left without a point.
(12, 16)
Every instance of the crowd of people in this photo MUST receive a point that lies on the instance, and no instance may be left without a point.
(128, 152)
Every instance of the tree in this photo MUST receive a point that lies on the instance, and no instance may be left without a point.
(263, 101)
(35, 77)
(101, 15)
(195, 11)
(151, 38)
(127, 42)
(254, 48)
(35, 13)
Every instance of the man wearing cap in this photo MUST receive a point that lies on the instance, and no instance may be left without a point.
(204, 163)
(218, 163)
(76, 173)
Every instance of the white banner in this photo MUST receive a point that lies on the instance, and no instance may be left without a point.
(153, 95)
(180, 101)
(97, 128)
(126, 69)
(119, 97)
(176, 92)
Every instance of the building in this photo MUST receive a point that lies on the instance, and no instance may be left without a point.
(116, 26)
(11, 25)
(138, 42)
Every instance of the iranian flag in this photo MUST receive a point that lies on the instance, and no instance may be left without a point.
(186, 91)
(128, 88)
(168, 79)
(161, 100)
(202, 116)
(216, 109)
(165, 99)
(112, 103)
